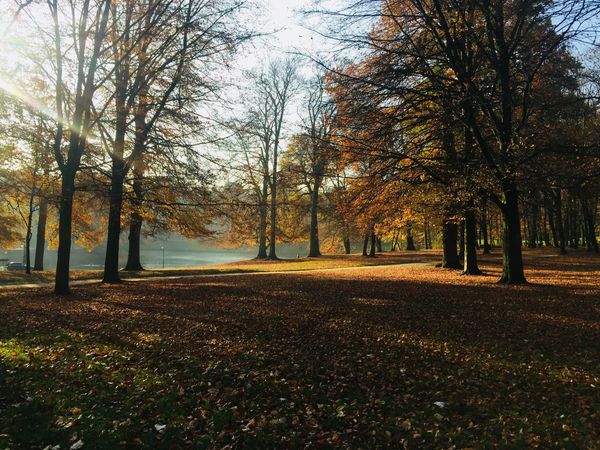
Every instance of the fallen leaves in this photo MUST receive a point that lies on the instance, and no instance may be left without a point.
(384, 357)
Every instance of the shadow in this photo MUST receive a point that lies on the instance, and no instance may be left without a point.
(287, 360)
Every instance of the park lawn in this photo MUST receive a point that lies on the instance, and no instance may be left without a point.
(250, 266)
(410, 356)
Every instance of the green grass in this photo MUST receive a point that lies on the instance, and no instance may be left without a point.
(250, 266)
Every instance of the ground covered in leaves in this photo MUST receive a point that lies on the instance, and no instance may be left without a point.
(412, 356)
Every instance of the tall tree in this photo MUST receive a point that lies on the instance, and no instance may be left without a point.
(90, 20)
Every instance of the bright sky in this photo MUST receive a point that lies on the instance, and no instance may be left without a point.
(289, 31)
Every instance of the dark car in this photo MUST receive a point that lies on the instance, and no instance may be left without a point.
(16, 266)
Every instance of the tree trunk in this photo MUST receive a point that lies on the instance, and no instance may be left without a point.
(559, 221)
(574, 222)
(366, 245)
(545, 234)
(28, 233)
(484, 231)
(134, 262)
(590, 226)
(40, 244)
(65, 206)
(410, 242)
(532, 228)
(373, 244)
(470, 261)
(461, 242)
(262, 220)
(394, 242)
(449, 237)
(119, 168)
(551, 224)
(512, 270)
(491, 230)
(273, 237)
(347, 247)
(111, 261)
(379, 245)
(314, 250)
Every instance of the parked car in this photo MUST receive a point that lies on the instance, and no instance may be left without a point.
(16, 266)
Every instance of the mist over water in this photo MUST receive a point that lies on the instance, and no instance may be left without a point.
(178, 253)
(153, 258)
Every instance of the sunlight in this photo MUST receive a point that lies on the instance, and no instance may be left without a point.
(299, 223)
(17, 93)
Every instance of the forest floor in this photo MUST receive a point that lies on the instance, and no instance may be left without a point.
(8, 278)
(404, 356)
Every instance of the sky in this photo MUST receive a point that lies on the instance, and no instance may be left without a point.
(281, 21)
(288, 31)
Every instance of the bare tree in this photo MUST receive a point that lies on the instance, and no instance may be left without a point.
(276, 87)
(310, 153)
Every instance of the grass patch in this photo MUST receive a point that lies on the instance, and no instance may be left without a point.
(250, 266)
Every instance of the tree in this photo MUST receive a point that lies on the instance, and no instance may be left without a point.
(278, 85)
(146, 40)
(310, 153)
(90, 20)
(176, 81)
(319, 126)
(478, 61)
(272, 90)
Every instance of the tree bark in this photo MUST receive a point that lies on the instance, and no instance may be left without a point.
(347, 247)
(119, 166)
(545, 234)
(40, 244)
(273, 237)
(551, 224)
(111, 261)
(461, 242)
(28, 234)
(134, 262)
(373, 244)
(532, 228)
(262, 219)
(470, 262)
(512, 269)
(559, 221)
(590, 225)
(366, 245)
(314, 250)
(449, 237)
(484, 231)
(410, 242)
(65, 207)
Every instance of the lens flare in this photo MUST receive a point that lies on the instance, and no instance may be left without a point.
(30, 101)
